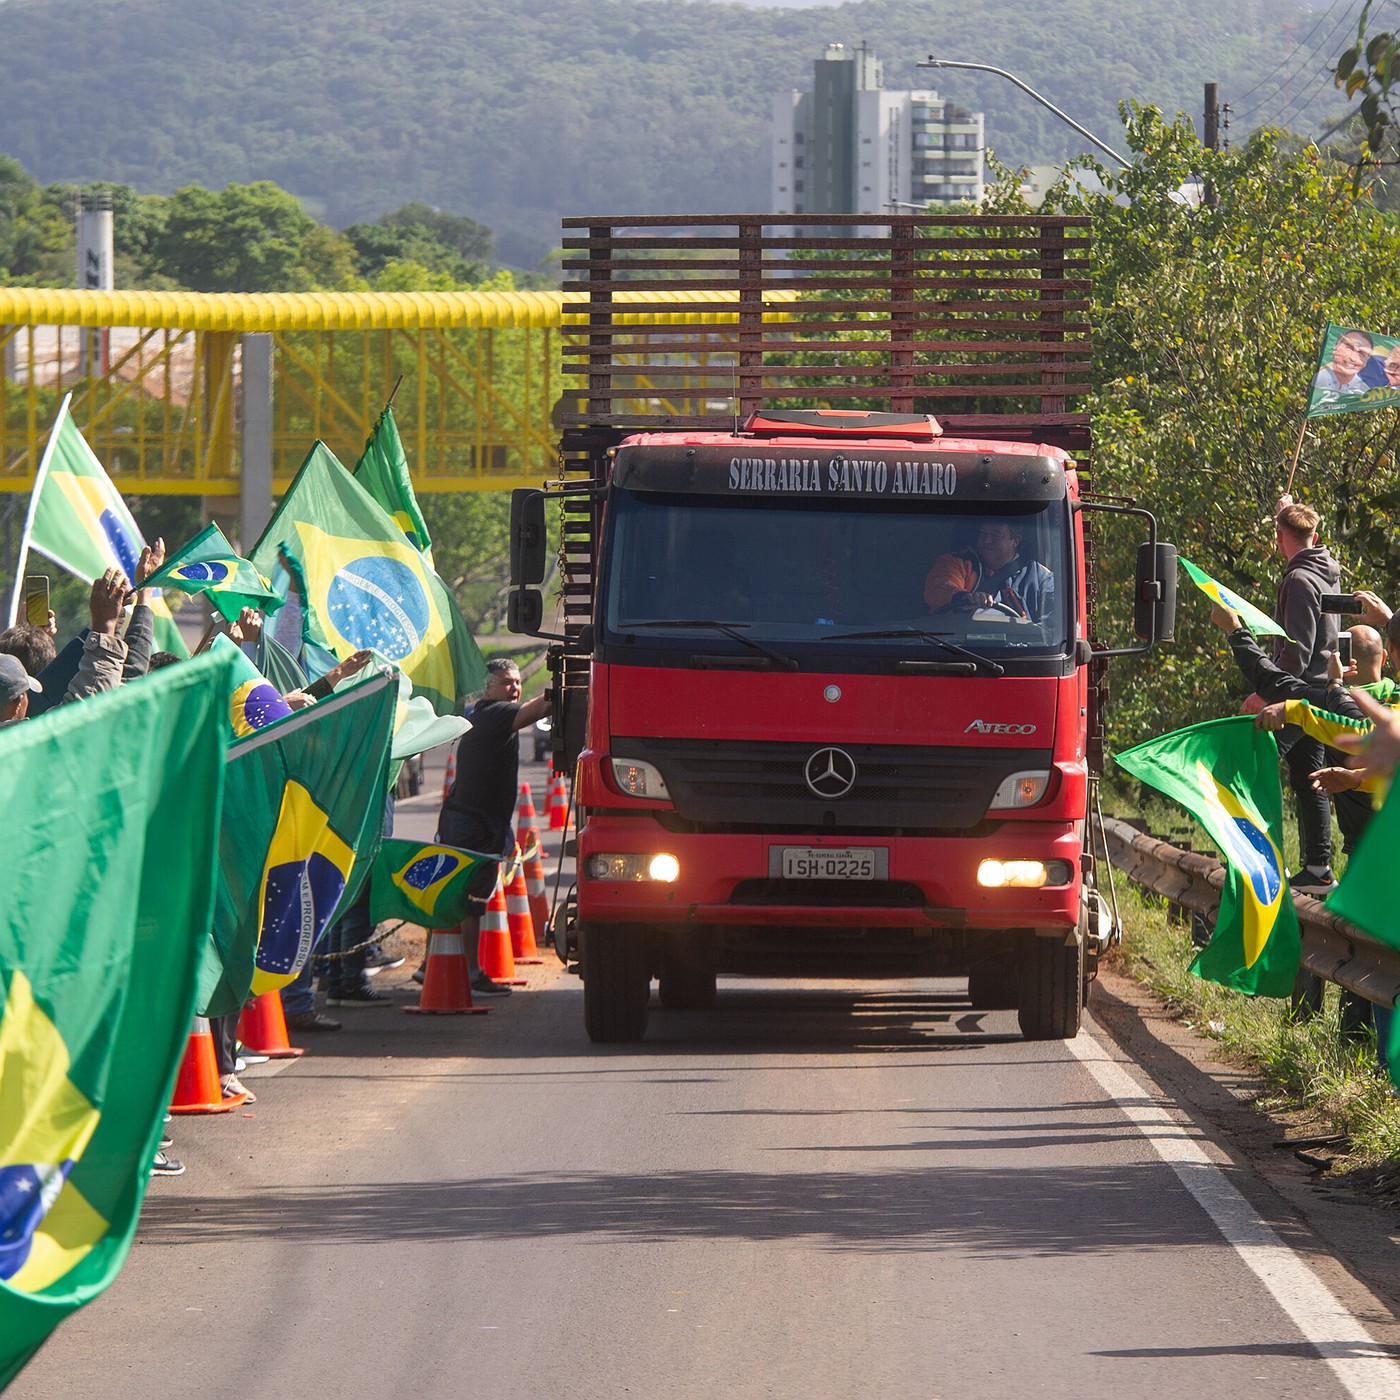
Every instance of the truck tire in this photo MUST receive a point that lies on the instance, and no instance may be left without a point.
(686, 985)
(1052, 989)
(616, 982)
(993, 985)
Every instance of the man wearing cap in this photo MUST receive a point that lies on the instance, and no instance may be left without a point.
(16, 686)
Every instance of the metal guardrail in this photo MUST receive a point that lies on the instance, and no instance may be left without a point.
(1332, 948)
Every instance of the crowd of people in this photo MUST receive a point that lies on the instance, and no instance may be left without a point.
(1322, 691)
(116, 648)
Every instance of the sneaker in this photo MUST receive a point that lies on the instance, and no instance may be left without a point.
(377, 960)
(232, 1086)
(311, 1021)
(483, 986)
(419, 973)
(166, 1142)
(167, 1166)
(1318, 886)
(250, 1057)
(239, 1065)
(358, 996)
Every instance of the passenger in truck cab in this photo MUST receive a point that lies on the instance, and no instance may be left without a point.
(993, 574)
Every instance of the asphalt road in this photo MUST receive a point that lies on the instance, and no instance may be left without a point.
(812, 1191)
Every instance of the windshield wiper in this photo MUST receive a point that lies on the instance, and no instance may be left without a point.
(730, 629)
(937, 638)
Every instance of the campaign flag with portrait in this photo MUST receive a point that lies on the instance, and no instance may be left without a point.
(1258, 622)
(209, 565)
(429, 885)
(1357, 370)
(1225, 773)
(108, 865)
(78, 519)
(302, 817)
(365, 586)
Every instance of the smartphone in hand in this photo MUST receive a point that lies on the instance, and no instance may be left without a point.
(1346, 604)
(36, 599)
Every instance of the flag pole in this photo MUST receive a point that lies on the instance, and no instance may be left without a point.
(39, 476)
(393, 393)
(1293, 466)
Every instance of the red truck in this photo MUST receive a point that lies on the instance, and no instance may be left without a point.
(827, 680)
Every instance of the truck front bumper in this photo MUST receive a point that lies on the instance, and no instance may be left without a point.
(733, 879)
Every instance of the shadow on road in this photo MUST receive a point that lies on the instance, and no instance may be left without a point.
(1018, 1211)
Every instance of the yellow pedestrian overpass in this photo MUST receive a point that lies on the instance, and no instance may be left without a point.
(222, 394)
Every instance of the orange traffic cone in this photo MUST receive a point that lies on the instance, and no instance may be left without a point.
(447, 988)
(494, 951)
(518, 915)
(526, 818)
(197, 1088)
(535, 889)
(558, 803)
(263, 1027)
(450, 776)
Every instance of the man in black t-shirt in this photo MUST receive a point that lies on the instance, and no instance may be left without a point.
(480, 806)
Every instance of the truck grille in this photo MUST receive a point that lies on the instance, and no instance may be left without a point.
(914, 789)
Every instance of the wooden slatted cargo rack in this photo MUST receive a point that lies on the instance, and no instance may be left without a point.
(980, 320)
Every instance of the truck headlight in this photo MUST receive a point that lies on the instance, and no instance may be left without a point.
(638, 779)
(634, 866)
(1021, 790)
(1023, 874)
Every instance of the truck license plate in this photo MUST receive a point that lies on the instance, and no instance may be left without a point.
(834, 862)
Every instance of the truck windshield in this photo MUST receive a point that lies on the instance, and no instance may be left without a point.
(861, 576)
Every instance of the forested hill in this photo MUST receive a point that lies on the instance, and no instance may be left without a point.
(514, 111)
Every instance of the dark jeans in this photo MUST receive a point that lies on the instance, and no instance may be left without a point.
(346, 973)
(1304, 756)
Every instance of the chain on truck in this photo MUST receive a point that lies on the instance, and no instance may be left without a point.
(796, 752)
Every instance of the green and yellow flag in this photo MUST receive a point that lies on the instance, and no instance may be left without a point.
(108, 869)
(1369, 895)
(208, 564)
(428, 885)
(365, 586)
(78, 519)
(383, 471)
(303, 812)
(1260, 623)
(1225, 773)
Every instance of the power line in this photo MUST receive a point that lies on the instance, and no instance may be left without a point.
(1302, 44)
(1305, 58)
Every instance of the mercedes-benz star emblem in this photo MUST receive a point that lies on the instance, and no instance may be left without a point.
(830, 773)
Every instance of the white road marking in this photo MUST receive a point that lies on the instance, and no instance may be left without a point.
(1364, 1368)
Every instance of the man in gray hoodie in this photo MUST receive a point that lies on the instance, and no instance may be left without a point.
(1312, 637)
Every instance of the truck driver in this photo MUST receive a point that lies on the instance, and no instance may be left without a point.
(991, 575)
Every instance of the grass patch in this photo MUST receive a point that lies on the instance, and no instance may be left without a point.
(1311, 1074)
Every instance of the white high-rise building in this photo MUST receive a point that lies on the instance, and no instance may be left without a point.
(850, 147)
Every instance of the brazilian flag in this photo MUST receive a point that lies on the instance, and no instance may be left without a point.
(1225, 773)
(365, 586)
(208, 565)
(108, 866)
(78, 519)
(253, 701)
(383, 471)
(303, 812)
(426, 885)
(1369, 894)
(1260, 623)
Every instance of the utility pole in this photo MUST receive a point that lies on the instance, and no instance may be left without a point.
(1211, 128)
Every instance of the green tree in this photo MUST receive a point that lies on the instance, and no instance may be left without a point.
(245, 238)
(1207, 325)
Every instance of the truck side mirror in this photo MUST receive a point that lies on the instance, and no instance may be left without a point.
(1154, 596)
(528, 540)
(525, 610)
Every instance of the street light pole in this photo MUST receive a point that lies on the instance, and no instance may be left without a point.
(932, 62)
